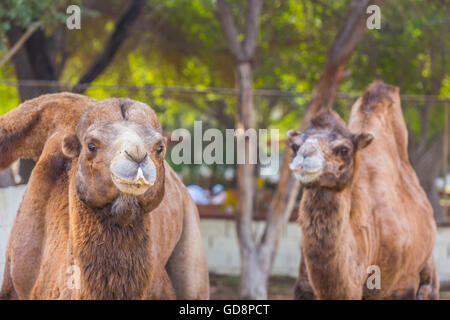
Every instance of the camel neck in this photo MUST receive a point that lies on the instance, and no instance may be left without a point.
(325, 217)
(327, 238)
(115, 260)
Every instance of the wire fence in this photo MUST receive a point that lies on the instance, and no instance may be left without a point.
(50, 85)
(178, 107)
(273, 101)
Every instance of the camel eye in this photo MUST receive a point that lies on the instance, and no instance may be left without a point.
(343, 151)
(92, 147)
(160, 149)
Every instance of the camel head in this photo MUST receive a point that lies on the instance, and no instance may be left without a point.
(324, 154)
(119, 152)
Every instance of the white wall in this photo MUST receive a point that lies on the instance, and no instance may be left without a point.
(220, 241)
(442, 254)
(222, 250)
(10, 199)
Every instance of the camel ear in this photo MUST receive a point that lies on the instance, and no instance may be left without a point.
(71, 147)
(292, 134)
(362, 140)
(294, 144)
(25, 129)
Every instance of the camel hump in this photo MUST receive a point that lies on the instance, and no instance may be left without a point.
(377, 96)
(379, 111)
(25, 129)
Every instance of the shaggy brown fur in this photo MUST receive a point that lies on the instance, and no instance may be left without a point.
(125, 246)
(377, 215)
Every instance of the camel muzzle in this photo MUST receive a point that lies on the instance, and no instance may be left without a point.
(309, 161)
(133, 177)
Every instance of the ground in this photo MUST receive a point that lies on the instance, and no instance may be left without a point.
(226, 287)
(280, 288)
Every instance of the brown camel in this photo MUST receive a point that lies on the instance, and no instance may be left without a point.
(363, 209)
(103, 216)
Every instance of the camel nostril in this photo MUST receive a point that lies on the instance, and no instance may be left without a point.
(136, 157)
(309, 151)
(143, 158)
(129, 156)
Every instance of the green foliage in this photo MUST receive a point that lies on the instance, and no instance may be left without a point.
(24, 13)
(410, 51)
(179, 43)
(8, 95)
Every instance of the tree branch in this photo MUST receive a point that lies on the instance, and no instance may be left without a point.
(252, 27)
(229, 30)
(113, 45)
(37, 52)
(19, 43)
(351, 32)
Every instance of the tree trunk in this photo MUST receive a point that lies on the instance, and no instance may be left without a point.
(427, 169)
(246, 171)
(256, 257)
(254, 278)
(251, 275)
(324, 93)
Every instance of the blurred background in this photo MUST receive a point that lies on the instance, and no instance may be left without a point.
(188, 60)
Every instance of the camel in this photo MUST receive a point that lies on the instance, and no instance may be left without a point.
(362, 208)
(103, 216)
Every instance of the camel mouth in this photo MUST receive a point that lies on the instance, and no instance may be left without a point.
(306, 166)
(306, 172)
(311, 173)
(306, 176)
(135, 187)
